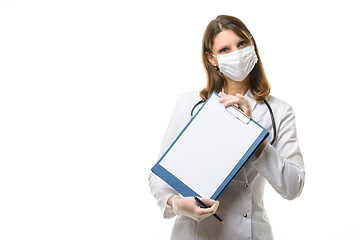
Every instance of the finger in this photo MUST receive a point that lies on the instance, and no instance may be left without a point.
(208, 211)
(243, 102)
(208, 202)
(241, 98)
(212, 206)
(223, 98)
(215, 206)
(203, 211)
(230, 102)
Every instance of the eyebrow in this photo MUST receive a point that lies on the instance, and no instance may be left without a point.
(226, 46)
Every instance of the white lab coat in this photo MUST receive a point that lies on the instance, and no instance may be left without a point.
(241, 204)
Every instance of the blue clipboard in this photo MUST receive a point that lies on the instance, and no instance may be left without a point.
(210, 150)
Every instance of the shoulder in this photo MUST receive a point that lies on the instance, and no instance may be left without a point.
(189, 96)
(277, 103)
(283, 111)
(189, 99)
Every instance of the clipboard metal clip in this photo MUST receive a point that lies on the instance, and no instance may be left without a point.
(237, 113)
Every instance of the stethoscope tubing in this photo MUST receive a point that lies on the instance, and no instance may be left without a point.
(272, 121)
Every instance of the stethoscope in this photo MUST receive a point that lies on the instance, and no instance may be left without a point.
(266, 103)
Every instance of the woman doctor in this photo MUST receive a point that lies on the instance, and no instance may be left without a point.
(234, 70)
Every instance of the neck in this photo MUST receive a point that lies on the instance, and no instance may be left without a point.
(233, 87)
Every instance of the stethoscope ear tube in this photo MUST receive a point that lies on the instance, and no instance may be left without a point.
(197, 104)
(266, 103)
(272, 121)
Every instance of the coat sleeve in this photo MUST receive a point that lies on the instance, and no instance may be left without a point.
(282, 164)
(160, 189)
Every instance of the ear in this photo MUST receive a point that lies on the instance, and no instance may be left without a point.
(211, 59)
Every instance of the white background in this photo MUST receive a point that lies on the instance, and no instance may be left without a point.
(87, 89)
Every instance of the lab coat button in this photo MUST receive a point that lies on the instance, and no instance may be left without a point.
(245, 215)
(246, 185)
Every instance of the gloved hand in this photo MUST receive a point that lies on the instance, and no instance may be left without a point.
(238, 101)
(189, 207)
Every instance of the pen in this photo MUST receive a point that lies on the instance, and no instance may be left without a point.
(205, 206)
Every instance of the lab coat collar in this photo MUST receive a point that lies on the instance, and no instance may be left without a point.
(250, 97)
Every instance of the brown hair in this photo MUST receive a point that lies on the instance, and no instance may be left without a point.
(258, 82)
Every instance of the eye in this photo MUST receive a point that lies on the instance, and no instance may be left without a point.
(223, 50)
(242, 44)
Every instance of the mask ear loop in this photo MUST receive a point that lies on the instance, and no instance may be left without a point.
(217, 67)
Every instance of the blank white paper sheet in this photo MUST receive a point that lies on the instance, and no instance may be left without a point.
(210, 151)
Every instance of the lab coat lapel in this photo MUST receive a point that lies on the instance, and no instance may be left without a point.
(242, 176)
(250, 97)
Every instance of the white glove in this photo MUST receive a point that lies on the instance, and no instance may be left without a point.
(189, 207)
(238, 101)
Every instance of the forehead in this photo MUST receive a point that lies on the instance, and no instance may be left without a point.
(226, 38)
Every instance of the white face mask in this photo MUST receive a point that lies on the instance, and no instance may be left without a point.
(237, 65)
